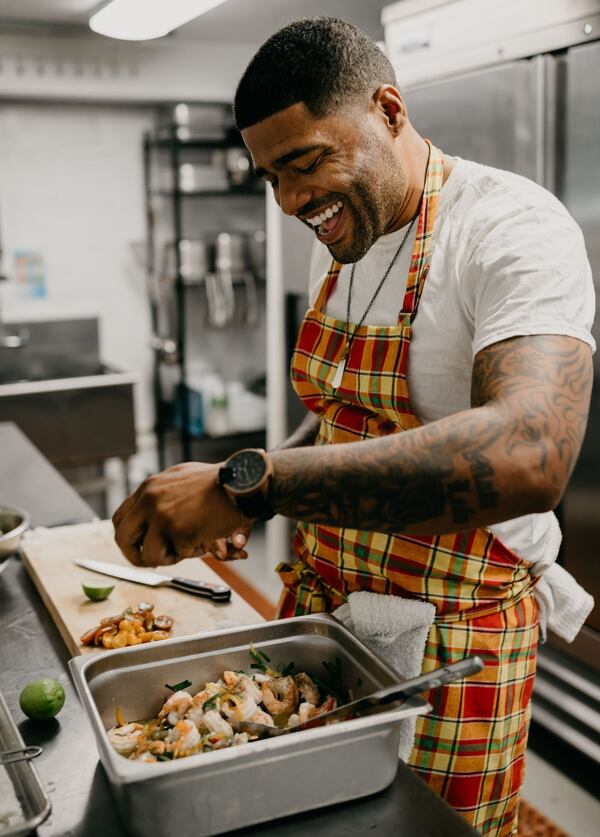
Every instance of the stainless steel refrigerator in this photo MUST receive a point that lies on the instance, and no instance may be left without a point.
(540, 117)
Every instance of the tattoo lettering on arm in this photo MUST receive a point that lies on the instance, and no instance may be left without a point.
(510, 454)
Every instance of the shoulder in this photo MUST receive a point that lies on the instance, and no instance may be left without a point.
(488, 205)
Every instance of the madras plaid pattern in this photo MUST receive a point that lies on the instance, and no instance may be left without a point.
(470, 749)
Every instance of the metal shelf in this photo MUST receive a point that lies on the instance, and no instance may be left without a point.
(167, 141)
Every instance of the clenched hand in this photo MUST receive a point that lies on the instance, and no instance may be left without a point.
(180, 513)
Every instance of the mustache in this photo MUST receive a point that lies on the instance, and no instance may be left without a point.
(313, 208)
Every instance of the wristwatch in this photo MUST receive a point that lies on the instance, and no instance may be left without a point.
(246, 477)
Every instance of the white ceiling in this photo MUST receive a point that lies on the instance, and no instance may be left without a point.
(236, 21)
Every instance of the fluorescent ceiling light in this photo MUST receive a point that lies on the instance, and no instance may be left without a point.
(140, 20)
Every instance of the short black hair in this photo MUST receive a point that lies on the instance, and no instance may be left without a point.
(324, 62)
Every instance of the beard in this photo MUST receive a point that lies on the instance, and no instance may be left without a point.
(376, 191)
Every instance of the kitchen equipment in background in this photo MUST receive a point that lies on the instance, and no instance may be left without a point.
(246, 411)
(194, 260)
(203, 177)
(230, 265)
(201, 122)
(257, 253)
(193, 796)
(216, 592)
(14, 521)
(239, 168)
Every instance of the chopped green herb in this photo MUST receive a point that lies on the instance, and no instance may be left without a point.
(258, 663)
(165, 757)
(210, 703)
(264, 656)
(288, 669)
(179, 686)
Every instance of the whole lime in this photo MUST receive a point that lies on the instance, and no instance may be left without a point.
(42, 699)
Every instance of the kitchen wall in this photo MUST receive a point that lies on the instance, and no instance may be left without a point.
(72, 189)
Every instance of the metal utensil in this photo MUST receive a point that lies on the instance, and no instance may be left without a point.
(19, 754)
(216, 592)
(379, 699)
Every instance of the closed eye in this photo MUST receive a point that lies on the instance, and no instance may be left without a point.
(310, 168)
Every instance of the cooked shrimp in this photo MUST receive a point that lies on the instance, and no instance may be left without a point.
(213, 722)
(262, 717)
(261, 678)
(242, 709)
(145, 757)
(280, 695)
(307, 688)
(196, 712)
(175, 707)
(326, 706)
(239, 682)
(125, 739)
(184, 735)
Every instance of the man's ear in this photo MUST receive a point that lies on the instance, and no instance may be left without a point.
(389, 104)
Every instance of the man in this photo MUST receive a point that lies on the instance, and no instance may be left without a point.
(446, 367)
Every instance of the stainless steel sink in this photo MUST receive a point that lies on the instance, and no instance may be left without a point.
(73, 407)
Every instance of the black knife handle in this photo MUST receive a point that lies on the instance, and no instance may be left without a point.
(216, 592)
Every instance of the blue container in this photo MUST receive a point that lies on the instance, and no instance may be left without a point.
(195, 410)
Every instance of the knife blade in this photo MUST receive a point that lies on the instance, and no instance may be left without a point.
(216, 592)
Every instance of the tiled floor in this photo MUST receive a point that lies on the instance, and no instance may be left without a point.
(561, 800)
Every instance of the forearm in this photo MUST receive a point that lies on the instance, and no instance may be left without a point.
(447, 476)
(305, 434)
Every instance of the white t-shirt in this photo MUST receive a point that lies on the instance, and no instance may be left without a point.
(507, 260)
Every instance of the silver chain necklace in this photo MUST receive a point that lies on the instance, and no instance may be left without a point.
(339, 372)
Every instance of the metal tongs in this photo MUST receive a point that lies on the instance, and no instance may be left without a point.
(377, 700)
(19, 754)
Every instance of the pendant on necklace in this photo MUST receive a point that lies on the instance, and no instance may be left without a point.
(339, 372)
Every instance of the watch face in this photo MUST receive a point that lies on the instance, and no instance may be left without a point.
(249, 467)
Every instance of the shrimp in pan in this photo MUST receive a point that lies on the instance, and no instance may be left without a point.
(175, 707)
(126, 738)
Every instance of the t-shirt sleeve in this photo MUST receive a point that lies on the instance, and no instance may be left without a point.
(530, 274)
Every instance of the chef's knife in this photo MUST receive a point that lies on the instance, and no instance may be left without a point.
(216, 592)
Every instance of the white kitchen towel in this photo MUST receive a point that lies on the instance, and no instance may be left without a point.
(563, 603)
(396, 630)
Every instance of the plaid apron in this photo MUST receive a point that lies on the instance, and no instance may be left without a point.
(471, 747)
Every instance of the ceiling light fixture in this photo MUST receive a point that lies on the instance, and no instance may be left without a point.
(141, 20)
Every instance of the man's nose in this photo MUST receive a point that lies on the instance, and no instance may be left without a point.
(292, 196)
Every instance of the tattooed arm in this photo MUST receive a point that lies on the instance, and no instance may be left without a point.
(511, 454)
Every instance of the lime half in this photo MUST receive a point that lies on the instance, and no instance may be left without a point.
(42, 699)
(97, 594)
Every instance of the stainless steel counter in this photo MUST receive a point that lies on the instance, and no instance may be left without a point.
(30, 646)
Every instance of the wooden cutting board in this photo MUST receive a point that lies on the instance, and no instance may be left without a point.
(49, 556)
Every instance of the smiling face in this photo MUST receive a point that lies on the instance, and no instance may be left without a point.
(339, 174)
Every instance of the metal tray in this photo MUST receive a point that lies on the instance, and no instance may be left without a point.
(216, 792)
(28, 787)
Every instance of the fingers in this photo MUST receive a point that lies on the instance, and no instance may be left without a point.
(156, 551)
(230, 549)
(129, 536)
